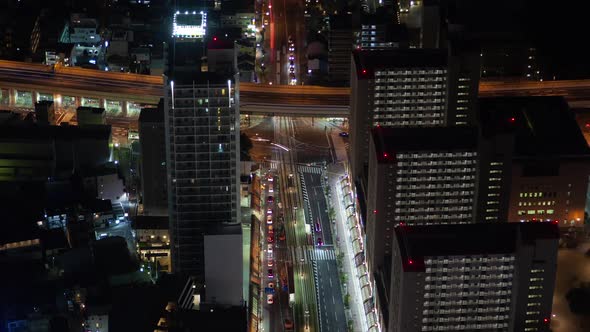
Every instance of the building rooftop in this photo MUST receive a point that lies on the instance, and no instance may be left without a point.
(150, 222)
(418, 242)
(341, 22)
(88, 109)
(185, 61)
(152, 114)
(367, 62)
(32, 131)
(389, 141)
(543, 126)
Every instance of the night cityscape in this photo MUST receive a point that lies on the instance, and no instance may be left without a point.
(294, 166)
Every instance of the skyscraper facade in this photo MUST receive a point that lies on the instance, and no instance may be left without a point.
(202, 131)
(477, 277)
(202, 147)
(418, 176)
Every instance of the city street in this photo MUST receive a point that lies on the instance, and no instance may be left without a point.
(287, 146)
(331, 303)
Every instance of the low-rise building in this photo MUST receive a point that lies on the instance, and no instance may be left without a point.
(152, 233)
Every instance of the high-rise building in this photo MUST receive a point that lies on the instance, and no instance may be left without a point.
(202, 149)
(476, 277)
(340, 42)
(380, 31)
(539, 170)
(418, 176)
(407, 88)
(152, 145)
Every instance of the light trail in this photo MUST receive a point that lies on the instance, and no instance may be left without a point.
(280, 146)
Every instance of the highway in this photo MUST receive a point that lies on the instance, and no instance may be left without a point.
(148, 89)
(90, 83)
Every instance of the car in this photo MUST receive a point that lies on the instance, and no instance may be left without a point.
(270, 178)
(317, 226)
(288, 323)
(291, 63)
(269, 219)
(291, 70)
(320, 242)
(291, 57)
(270, 274)
(269, 211)
(270, 188)
(270, 238)
(269, 248)
(271, 285)
(343, 134)
(269, 299)
(270, 199)
(270, 263)
(270, 229)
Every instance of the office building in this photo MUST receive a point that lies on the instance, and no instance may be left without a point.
(380, 31)
(476, 277)
(540, 169)
(340, 42)
(90, 116)
(407, 88)
(418, 176)
(202, 151)
(45, 113)
(152, 145)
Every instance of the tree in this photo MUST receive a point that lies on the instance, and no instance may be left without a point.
(245, 146)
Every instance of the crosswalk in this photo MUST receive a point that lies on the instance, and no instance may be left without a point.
(309, 169)
(311, 254)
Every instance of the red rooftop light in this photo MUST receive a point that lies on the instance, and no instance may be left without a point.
(546, 320)
(364, 71)
(512, 119)
(410, 262)
(214, 38)
(375, 211)
(385, 154)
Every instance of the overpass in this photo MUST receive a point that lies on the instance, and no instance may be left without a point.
(124, 94)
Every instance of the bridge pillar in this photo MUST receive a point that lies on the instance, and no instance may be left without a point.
(12, 97)
(124, 108)
(78, 102)
(57, 101)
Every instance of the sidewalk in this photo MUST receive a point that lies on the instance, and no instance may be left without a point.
(358, 283)
(355, 311)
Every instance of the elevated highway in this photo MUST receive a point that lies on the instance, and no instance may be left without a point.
(123, 94)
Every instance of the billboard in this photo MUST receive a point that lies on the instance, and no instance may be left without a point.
(189, 24)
